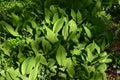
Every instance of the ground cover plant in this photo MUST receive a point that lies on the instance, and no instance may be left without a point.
(45, 40)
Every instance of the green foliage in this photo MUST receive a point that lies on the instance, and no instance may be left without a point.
(53, 41)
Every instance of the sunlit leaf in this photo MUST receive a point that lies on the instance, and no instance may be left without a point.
(51, 36)
(42, 59)
(102, 67)
(33, 73)
(89, 55)
(58, 25)
(27, 65)
(88, 32)
(61, 55)
(13, 73)
(73, 26)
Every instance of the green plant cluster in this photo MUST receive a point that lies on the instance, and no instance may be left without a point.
(45, 41)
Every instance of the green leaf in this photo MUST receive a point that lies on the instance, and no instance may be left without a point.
(73, 26)
(101, 67)
(13, 73)
(6, 48)
(34, 24)
(61, 55)
(53, 9)
(79, 17)
(88, 32)
(58, 25)
(55, 17)
(51, 36)
(51, 62)
(30, 30)
(16, 18)
(33, 73)
(28, 65)
(89, 55)
(65, 31)
(35, 45)
(119, 2)
(47, 15)
(10, 28)
(40, 58)
(73, 14)
(70, 67)
(46, 45)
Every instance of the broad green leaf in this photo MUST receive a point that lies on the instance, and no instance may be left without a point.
(79, 17)
(51, 36)
(41, 59)
(35, 45)
(33, 73)
(88, 32)
(70, 67)
(46, 45)
(10, 28)
(101, 67)
(13, 73)
(8, 77)
(28, 65)
(93, 46)
(65, 31)
(89, 55)
(73, 26)
(73, 14)
(58, 25)
(61, 55)
(51, 62)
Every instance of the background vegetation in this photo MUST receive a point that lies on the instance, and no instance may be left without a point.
(59, 40)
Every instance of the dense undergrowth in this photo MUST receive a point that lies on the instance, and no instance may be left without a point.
(55, 40)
